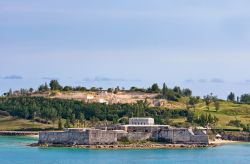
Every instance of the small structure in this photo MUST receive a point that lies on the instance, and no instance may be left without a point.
(218, 136)
(103, 101)
(141, 121)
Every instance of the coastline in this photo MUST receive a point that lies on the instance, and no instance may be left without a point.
(223, 142)
(140, 146)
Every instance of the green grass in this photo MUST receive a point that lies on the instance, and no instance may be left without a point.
(228, 111)
(11, 123)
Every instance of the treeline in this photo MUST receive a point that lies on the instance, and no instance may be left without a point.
(203, 119)
(55, 109)
(173, 94)
(245, 98)
(164, 92)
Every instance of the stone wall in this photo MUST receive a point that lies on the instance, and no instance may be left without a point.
(88, 137)
(78, 138)
(236, 136)
(165, 134)
(199, 139)
(100, 137)
(132, 133)
(139, 136)
(121, 135)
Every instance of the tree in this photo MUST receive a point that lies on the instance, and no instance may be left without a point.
(94, 89)
(50, 114)
(193, 101)
(46, 87)
(117, 89)
(43, 87)
(186, 92)
(217, 105)
(190, 117)
(210, 119)
(79, 88)
(245, 98)
(67, 88)
(238, 99)
(67, 124)
(231, 97)
(10, 93)
(208, 100)
(60, 126)
(155, 88)
(54, 85)
(82, 119)
(164, 90)
(172, 96)
(110, 90)
(203, 120)
(31, 90)
(73, 119)
(115, 119)
(137, 89)
(177, 89)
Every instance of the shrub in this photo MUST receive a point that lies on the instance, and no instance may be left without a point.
(4, 113)
(236, 123)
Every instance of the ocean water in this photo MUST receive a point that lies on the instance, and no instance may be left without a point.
(14, 150)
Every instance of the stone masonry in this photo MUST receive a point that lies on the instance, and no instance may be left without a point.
(79, 137)
(160, 133)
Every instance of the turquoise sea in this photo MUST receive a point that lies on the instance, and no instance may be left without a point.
(14, 150)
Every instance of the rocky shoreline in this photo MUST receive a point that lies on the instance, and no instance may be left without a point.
(129, 146)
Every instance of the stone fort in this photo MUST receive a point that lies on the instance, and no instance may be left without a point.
(138, 129)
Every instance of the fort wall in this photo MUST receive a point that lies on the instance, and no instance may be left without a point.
(130, 133)
(88, 137)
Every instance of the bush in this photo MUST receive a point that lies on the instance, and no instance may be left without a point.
(4, 113)
(236, 123)
(246, 128)
(42, 121)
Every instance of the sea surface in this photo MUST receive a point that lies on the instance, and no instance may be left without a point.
(14, 150)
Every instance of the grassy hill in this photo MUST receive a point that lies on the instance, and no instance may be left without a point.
(228, 111)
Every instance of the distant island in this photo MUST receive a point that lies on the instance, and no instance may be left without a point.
(54, 107)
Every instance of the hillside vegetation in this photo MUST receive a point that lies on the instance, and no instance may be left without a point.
(55, 106)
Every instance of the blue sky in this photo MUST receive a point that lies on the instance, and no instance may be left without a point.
(200, 44)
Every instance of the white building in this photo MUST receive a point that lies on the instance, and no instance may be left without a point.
(141, 121)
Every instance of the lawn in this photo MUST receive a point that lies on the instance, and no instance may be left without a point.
(11, 123)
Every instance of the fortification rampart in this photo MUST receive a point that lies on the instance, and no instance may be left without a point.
(166, 134)
(87, 137)
(132, 132)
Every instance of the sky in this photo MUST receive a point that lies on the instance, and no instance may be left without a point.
(198, 44)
